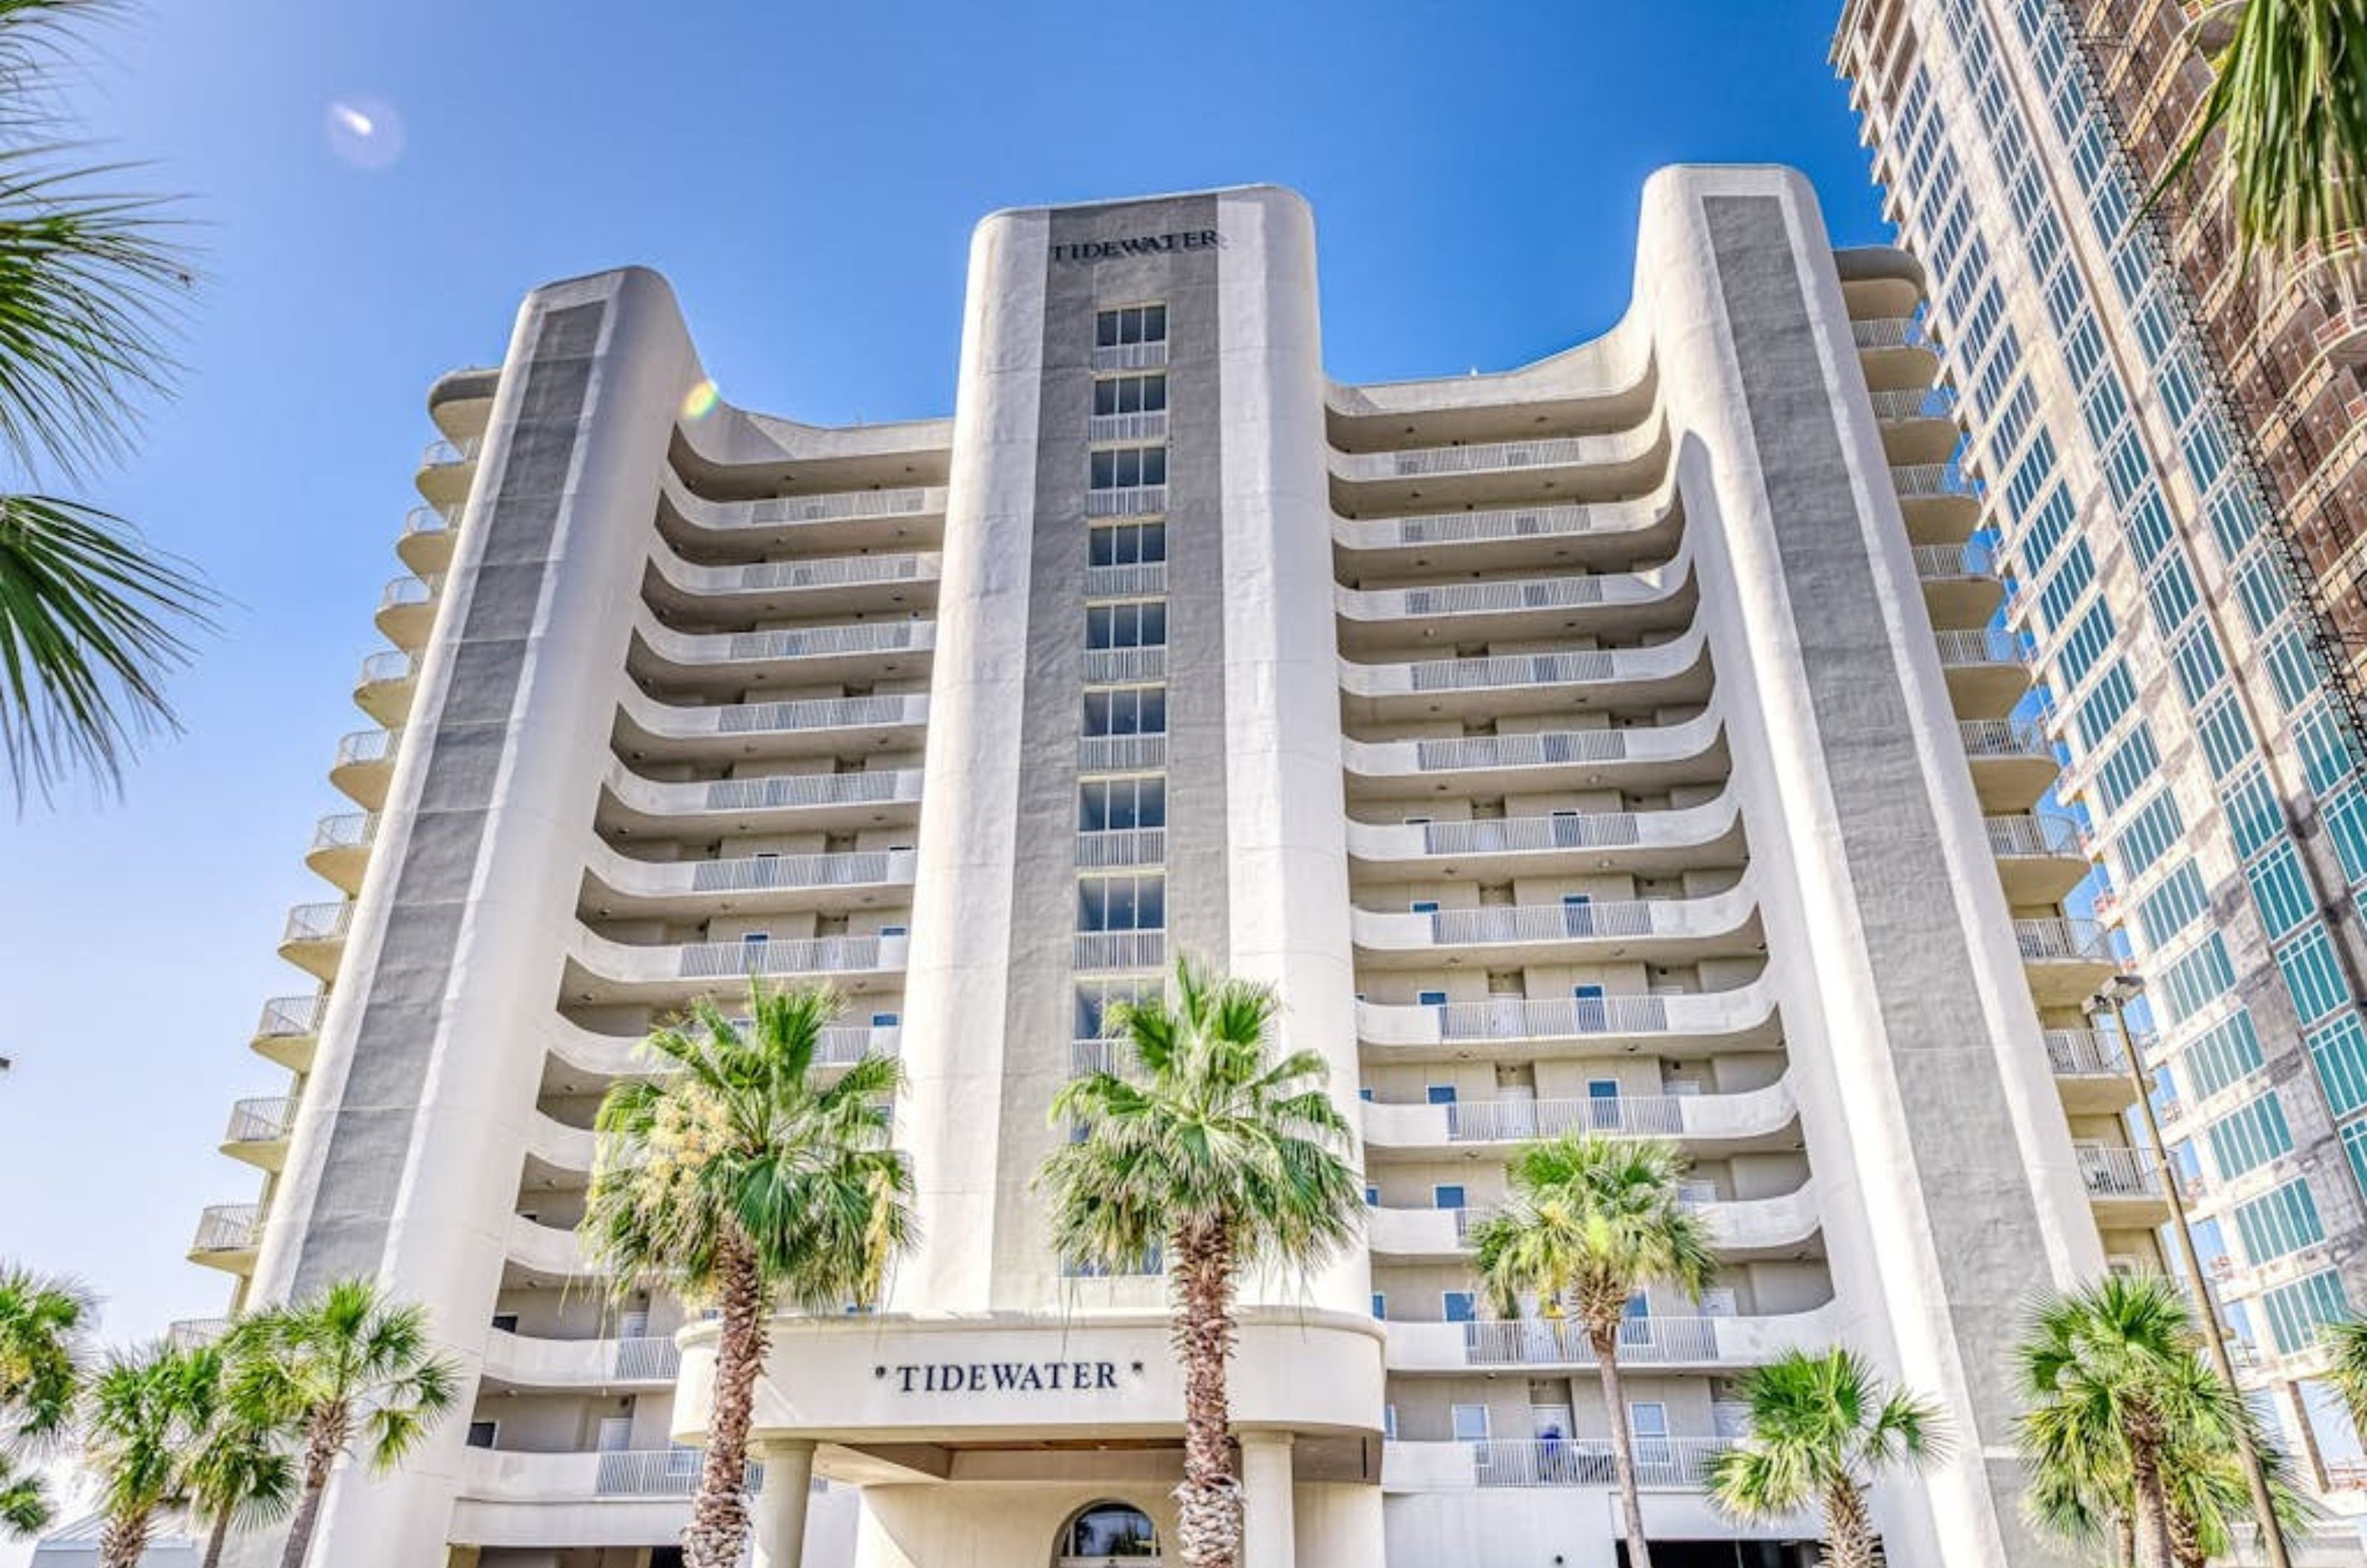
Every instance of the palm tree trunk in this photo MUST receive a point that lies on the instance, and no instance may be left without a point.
(719, 1515)
(217, 1538)
(319, 1457)
(2153, 1506)
(1851, 1542)
(2125, 1541)
(2186, 1540)
(124, 1541)
(1208, 1503)
(1606, 1338)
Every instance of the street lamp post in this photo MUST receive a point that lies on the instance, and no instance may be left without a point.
(2118, 992)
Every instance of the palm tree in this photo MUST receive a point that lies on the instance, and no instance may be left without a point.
(351, 1371)
(2346, 1342)
(240, 1469)
(747, 1178)
(1822, 1427)
(144, 1408)
(90, 619)
(1220, 1157)
(1591, 1221)
(43, 1333)
(2114, 1396)
(2290, 95)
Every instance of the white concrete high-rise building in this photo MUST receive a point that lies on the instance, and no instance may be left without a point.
(1618, 743)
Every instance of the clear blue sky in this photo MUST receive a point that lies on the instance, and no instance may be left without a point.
(807, 175)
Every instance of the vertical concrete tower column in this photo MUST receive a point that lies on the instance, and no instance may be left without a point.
(1942, 1167)
(406, 1164)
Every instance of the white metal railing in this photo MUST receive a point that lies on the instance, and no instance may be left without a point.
(2033, 836)
(1121, 753)
(445, 453)
(1510, 523)
(1130, 356)
(844, 1043)
(2083, 1052)
(228, 1227)
(1587, 1461)
(837, 571)
(1888, 331)
(263, 1120)
(1509, 834)
(319, 922)
(852, 869)
(1915, 402)
(1126, 580)
(1135, 500)
(409, 589)
(798, 955)
(1480, 674)
(2004, 737)
(366, 746)
(1643, 1341)
(1510, 1121)
(819, 642)
(286, 1018)
(804, 713)
(1425, 462)
(1514, 1017)
(655, 1473)
(1123, 846)
(1150, 425)
(344, 830)
(1120, 950)
(1989, 645)
(1548, 748)
(431, 520)
(784, 791)
(1568, 922)
(1483, 598)
(1939, 563)
(1921, 479)
(2062, 937)
(2114, 1172)
(839, 506)
(393, 664)
(1104, 665)
(652, 1357)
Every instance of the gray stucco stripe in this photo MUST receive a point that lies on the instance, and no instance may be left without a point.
(371, 1137)
(1976, 1199)
(1038, 1018)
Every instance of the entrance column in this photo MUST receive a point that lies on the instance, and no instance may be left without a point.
(781, 1504)
(1269, 1528)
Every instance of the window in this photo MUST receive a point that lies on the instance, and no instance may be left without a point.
(2346, 820)
(1430, 998)
(1390, 1422)
(2338, 1050)
(1469, 1423)
(1460, 1306)
(2226, 738)
(1128, 467)
(1438, 1094)
(2279, 889)
(1447, 1195)
(2227, 1051)
(1380, 1301)
(1125, 543)
(2250, 1136)
(2104, 706)
(2324, 755)
(505, 1321)
(2282, 1220)
(2177, 903)
(1423, 906)
(1122, 903)
(885, 1020)
(1135, 624)
(2149, 834)
(2196, 980)
(1130, 394)
(1128, 710)
(2199, 663)
(2312, 975)
(1115, 806)
(2299, 1311)
(2354, 1146)
(1134, 323)
(2253, 815)
(481, 1434)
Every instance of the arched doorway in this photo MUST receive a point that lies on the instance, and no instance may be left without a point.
(1106, 1533)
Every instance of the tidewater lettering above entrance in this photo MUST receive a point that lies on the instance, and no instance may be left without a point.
(1006, 1377)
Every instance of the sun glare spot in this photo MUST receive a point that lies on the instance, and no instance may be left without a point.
(364, 132)
(700, 401)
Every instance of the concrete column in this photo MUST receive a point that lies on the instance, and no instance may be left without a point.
(1268, 1535)
(781, 1506)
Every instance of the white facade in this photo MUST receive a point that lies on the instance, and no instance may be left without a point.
(1613, 742)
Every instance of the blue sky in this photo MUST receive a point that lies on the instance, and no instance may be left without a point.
(807, 175)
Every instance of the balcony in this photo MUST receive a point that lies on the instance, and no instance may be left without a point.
(620, 885)
(446, 469)
(2123, 1186)
(522, 1361)
(1889, 331)
(603, 971)
(1121, 753)
(314, 937)
(1664, 673)
(2065, 958)
(2090, 1071)
(1712, 1123)
(1568, 468)
(1679, 1023)
(228, 1235)
(406, 609)
(1126, 580)
(2040, 859)
(1655, 931)
(340, 849)
(1986, 672)
(1739, 1228)
(1127, 500)
(773, 803)
(1704, 1344)
(1129, 952)
(1605, 534)
(1909, 405)
(1494, 849)
(364, 769)
(1119, 665)
(429, 534)
(289, 1030)
(1151, 424)
(1961, 587)
(1606, 605)
(1121, 847)
(809, 727)
(385, 686)
(541, 1255)
(839, 520)
(621, 1057)
(862, 652)
(1940, 504)
(831, 585)
(1641, 756)
(1662, 1463)
(258, 1131)
(2013, 763)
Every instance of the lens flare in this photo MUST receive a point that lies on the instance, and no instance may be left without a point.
(700, 401)
(364, 131)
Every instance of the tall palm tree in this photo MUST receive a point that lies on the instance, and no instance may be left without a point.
(746, 1176)
(1592, 1220)
(2346, 1343)
(91, 619)
(44, 1326)
(2113, 1395)
(144, 1408)
(1218, 1157)
(240, 1468)
(352, 1372)
(2290, 95)
(1822, 1427)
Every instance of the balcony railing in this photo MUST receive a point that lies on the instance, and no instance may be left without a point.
(1938, 563)
(852, 869)
(1497, 523)
(431, 520)
(810, 642)
(392, 664)
(1889, 331)
(837, 571)
(1104, 665)
(839, 506)
(346, 831)
(228, 1227)
(802, 956)
(809, 713)
(1126, 846)
(1130, 356)
(1487, 598)
(2056, 836)
(647, 1358)
(1121, 753)
(364, 746)
(407, 589)
(1918, 481)
(1587, 1461)
(2114, 1172)
(2058, 938)
(2004, 737)
(264, 1120)
(1643, 1341)
(787, 791)
(288, 1018)
(1915, 402)
(1606, 920)
(1654, 662)
(659, 1473)
(446, 454)
(2083, 1052)
(1126, 580)
(1551, 1017)
(1989, 645)
(1428, 462)
(1511, 1120)
(1146, 427)
(1097, 951)
(319, 922)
